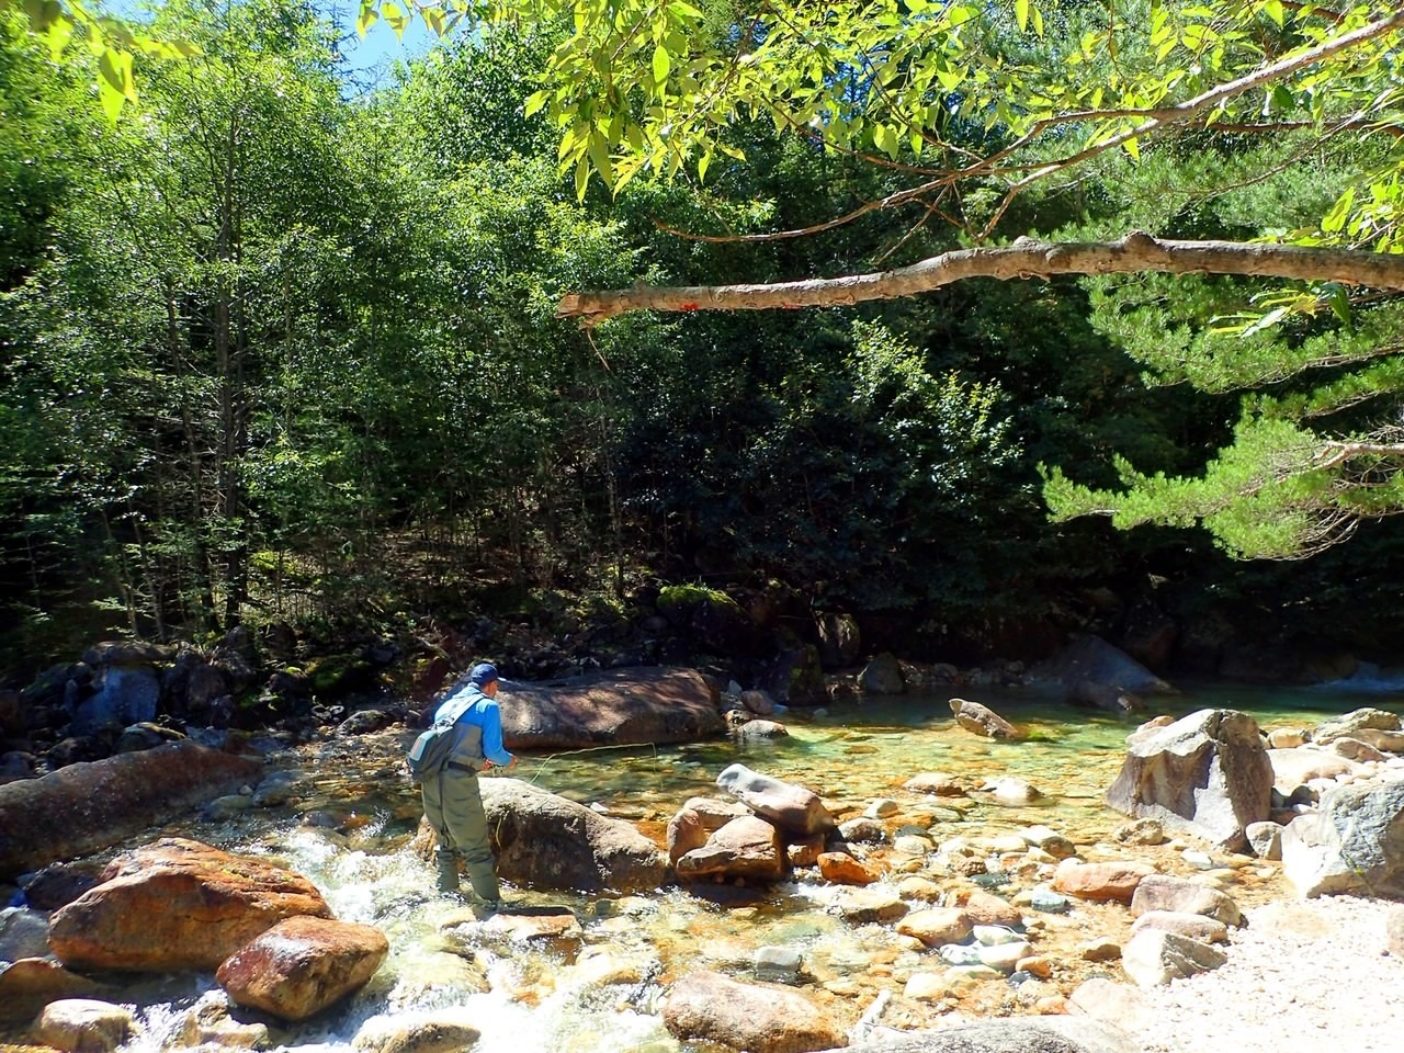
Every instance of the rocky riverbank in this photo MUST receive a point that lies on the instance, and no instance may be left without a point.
(947, 899)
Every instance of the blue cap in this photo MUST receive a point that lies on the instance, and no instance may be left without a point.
(483, 674)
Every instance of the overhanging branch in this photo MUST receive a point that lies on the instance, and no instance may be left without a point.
(1025, 258)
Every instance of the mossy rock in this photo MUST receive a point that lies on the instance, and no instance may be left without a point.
(689, 597)
(338, 674)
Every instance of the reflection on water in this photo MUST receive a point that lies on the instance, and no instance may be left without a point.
(351, 831)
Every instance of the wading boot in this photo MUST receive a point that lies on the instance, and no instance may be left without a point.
(448, 871)
(483, 877)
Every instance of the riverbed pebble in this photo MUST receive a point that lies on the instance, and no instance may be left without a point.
(436, 1031)
(1168, 893)
(1154, 957)
(1004, 956)
(1140, 832)
(861, 905)
(1100, 882)
(83, 1025)
(1100, 949)
(882, 808)
(1048, 902)
(840, 868)
(913, 846)
(937, 925)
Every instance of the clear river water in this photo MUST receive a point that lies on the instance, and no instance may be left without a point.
(351, 829)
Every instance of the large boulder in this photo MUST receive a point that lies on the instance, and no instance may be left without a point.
(548, 842)
(127, 694)
(85, 807)
(795, 810)
(303, 965)
(615, 707)
(1206, 773)
(1012, 1035)
(1354, 843)
(882, 676)
(1093, 672)
(746, 847)
(760, 1018)
(177, 904)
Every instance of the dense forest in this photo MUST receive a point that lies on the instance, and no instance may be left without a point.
(277, 351)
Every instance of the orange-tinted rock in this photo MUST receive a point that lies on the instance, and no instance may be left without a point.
(762, 1018)
(1101, 882)
(842, 869)
(985, 908)
(746, 847)
(937, 926)
(177, 904)
(303, 965)
(805, 853)
(697, 820)
(937, 783)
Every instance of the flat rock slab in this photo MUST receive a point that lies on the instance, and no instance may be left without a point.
(1013, 1035)
(177, 904)
(85, 807)
(761, 1018)
(303, 965)
(616, 707)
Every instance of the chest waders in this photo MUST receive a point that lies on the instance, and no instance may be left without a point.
(454, 807)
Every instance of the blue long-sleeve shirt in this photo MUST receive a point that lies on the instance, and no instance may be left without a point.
(478, 711)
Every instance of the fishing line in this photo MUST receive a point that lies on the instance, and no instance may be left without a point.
(546, 761)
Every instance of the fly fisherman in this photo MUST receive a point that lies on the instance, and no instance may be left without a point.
(452, 803)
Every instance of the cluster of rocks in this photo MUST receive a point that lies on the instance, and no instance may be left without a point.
(124, 696)
(178, 905)
(1328, 801)
(886, 870)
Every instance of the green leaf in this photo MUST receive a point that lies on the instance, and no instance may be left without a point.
(662, 62)
(1334, 220)
(582, 178)
(1021, 14)
(59, 33)
(1339, 300)
(115, 74)
(702, 165)
(599, 157)
(535, 101)
(395, 17)
(1276, 12)
(368, 17)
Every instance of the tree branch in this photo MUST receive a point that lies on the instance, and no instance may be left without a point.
(1025, 258)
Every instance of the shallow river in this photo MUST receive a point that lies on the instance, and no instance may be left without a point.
(603, 996)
